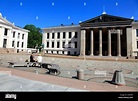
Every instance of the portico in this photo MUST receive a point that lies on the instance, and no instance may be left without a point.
(100, 37)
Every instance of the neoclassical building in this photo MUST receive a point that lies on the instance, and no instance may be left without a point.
(104, 35)
(12, 38)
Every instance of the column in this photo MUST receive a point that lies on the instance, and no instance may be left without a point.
(109, 43)
(82, 47)
(118, 43)
(92, 42)
(100, 43)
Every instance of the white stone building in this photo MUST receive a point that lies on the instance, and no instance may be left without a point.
(104, 35)
(12, 38)
(62, 40)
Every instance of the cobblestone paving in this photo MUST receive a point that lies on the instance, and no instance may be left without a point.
(69, 68)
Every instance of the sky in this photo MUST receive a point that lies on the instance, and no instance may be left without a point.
(51, 13)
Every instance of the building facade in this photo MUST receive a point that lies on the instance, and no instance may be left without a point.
(62, 40)
(104, 35)
(12, 37)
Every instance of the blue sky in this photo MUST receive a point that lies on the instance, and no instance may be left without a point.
(48, 13)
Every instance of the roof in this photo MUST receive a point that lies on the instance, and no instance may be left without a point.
(6, 22)
(106, 20)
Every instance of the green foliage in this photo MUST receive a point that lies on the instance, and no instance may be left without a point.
(34, 36)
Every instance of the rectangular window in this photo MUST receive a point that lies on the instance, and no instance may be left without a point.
(58, 44)
(22, 44)
(75, 44)
(53, 34)
(75, 53)
(4, 43)
(58, 35)
(68, 52)
(6, 31)
(18, 44)
(18, 35)
(63, 45)
(13, 43)
(22, 36)
(64, 34)
(52, 44)
(14, 34)
(137, 44)
(137, 32)
(69, 45)
(76, 34)
(69, 34)
(47, 44)
(47, 35)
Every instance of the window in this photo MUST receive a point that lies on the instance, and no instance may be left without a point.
(14, 34)
(18, 44)
(76, 34)
(13, 43)
(4, 43)
(68, 52)
(69, 34)
(22, 36)
(63, 45)
(137, 44)
(69, 45)
(18, 35)
(47, 44)
(58, 44)
(53, 34)
(64, 34)
(75, 53)
(58, 35)
(22, 44)
(75, 44)
(137, 32)
(52, 44)
(6, 31)
(47, 35)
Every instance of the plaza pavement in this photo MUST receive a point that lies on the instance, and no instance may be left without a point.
(28, 81)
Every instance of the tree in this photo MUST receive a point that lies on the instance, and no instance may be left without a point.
(34, 36)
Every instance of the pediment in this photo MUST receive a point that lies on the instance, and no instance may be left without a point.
(106, 18)
(4, 21)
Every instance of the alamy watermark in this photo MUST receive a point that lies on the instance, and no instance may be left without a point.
(100, 73)
(71, 45)
(14, 96)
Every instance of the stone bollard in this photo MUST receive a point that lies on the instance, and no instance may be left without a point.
(35, 71)
(118, 78)
(80, 74)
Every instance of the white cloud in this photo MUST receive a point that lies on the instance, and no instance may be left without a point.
(36, 17)
(68, 17)
(84, 3)
(21, 3)
(116, 4)
(53, 3)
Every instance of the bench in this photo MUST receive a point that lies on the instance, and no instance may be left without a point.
(27, 64)
(53, 69)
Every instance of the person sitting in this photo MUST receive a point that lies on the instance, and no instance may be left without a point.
(32, 59)
(39, 59)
